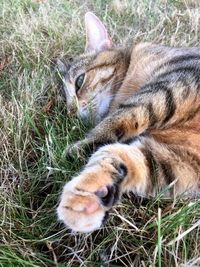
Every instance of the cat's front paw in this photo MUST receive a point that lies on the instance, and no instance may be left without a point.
(85, 203)
(78, 149)
(87, 198)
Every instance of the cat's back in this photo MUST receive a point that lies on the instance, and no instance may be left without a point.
(162, 68)
(151, 60)
(151, 63)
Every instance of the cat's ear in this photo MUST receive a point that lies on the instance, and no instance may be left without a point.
(97, 38)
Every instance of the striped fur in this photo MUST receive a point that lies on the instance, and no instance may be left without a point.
(150, 139)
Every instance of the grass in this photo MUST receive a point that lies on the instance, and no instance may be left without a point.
(35, 128)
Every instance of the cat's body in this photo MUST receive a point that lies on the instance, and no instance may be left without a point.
(150, 98)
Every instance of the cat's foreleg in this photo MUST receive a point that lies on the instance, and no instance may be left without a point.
(111, 171)
(123, 124)
(144, 167)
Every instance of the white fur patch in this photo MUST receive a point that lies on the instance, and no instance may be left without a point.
(82, 223)
(78, 221)
(103, 104)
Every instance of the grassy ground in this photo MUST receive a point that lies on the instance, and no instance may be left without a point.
(35, 128)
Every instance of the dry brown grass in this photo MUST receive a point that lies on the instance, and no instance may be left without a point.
(33, 33)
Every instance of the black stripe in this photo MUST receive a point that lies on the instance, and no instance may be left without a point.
(182, 58)
(167, 172)
(159, 86)
(129, 105)
(121, 55)
(144, 90)
(192, 70)
(170, 106)
(152, 116)
(134, 138)
(153, 87)
(153, 166)
(130, 140)
(169, 100)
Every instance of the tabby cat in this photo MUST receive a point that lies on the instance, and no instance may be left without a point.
(145, 101)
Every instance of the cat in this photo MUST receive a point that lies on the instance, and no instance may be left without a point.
(145, 103)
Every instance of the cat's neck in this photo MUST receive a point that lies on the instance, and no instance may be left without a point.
(124, 60)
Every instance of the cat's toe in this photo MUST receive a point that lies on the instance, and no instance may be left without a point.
(110, 198)
(87, 198)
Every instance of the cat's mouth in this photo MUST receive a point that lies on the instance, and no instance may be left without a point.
(86, 117)
(92, 115)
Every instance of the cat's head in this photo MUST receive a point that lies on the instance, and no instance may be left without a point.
(92, 79)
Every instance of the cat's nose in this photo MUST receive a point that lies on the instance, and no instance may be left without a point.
(83, 103)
